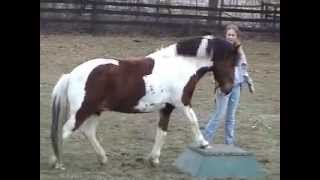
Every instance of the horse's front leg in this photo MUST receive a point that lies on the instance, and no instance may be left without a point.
(198, 137)
(161, 134)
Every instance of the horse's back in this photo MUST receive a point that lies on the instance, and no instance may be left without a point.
(78, 79)
(88, 66)
(109, 83)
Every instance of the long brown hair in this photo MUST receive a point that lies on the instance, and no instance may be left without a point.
(235, 28)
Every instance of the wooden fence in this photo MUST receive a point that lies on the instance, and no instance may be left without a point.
(127, 13)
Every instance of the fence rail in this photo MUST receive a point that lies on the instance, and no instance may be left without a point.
(77, 8)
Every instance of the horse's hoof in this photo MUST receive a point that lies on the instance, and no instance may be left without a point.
(206, 146)
(59, 166)
(52, 161)
(103, 160)
(153, 163)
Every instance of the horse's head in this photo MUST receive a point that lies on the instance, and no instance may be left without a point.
(222, 53)
(225, 58)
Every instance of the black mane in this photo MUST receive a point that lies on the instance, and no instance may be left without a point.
(221, 48)
(188, 47)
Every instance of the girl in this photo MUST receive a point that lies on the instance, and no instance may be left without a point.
(226, 104)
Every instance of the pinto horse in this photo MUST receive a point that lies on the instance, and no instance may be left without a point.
(162, 81)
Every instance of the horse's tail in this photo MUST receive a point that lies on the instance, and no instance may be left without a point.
(60, 111)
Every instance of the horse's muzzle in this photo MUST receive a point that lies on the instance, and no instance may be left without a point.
(226, 89)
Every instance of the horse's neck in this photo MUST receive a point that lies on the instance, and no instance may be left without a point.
(164, 52)
(176, 66)
(166, 59)
(171, 53)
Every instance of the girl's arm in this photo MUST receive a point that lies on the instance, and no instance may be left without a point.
(244, 70)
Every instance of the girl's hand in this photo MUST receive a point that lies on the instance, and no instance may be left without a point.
(251, 88)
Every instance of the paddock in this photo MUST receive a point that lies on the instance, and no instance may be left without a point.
(128, 138)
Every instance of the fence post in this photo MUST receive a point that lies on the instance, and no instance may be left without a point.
(274, 16)
(213, 13)
(157, 10)
(261, 14)
(220, 13)
(138, 8)
(93, 27)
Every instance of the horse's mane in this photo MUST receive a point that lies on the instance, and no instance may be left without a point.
(215, 47)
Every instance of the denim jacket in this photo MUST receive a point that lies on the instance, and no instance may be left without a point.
(241, 75)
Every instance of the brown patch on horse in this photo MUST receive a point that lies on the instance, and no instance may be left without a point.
(114, 87)
(190, 86)
(165, 116)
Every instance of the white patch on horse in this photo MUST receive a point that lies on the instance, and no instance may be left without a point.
(89, 130)
(167, 52)
(202, 49)
(68, 126)
(167, 82)
(156, 94)
(159, 141)
(208, 36)
(199, 139)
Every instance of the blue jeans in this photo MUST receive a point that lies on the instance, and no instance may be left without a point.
(226, 106)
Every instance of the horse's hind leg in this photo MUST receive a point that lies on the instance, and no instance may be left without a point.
(160, 135)
(89, 130)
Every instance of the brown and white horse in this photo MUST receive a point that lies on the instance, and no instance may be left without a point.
(162, 81)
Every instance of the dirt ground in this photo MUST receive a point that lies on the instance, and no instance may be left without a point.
(128, 138)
